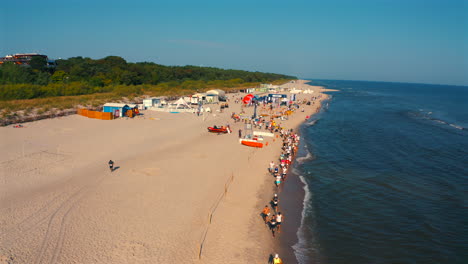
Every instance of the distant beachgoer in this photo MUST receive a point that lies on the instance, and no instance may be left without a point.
(272, 166)
(265, 213)
(111, 165)
(240, 133)
(277, 260)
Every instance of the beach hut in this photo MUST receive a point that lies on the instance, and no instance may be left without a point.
(152, 102)
(274, 97)
(117, 109)
(198, 98)
(250, 90)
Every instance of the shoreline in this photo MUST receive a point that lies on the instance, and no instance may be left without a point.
(291, 192)
(294, 197)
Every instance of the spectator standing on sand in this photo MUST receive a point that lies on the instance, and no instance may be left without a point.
(240, 133)
(111, 165)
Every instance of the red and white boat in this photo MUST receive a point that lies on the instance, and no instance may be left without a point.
(218, 129)
(251, 143)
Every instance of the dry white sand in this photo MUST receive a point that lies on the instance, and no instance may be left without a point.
(59, 203)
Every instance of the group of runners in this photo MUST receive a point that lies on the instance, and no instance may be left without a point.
(289, 149)
(271, 215)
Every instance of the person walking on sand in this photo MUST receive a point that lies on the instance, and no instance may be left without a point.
(240, 133)
(277, 260)
(111, 165)
(265, 213)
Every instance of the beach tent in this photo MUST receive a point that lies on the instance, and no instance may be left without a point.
(220, 93)
(212, 98)
(181, 103)
(248, 98)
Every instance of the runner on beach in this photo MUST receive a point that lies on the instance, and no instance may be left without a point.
(278, 180)
(274, 202)
(272, 224)
(265, 213)
(277, 260)
(279, 220)
(111, 165)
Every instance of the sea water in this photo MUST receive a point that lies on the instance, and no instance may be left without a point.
(385, 167)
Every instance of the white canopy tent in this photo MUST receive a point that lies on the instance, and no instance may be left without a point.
(181, 104)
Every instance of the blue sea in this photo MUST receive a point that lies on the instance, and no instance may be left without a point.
(385, 167)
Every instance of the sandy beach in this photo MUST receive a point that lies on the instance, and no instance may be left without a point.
(178, 195)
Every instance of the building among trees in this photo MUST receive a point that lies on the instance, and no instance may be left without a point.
(27, 58)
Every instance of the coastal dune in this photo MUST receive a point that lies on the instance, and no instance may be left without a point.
(178, 195)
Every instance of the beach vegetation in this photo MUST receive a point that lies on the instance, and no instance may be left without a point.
(79, 76)
(84, 82)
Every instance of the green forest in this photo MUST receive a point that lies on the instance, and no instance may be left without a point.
(112, 74)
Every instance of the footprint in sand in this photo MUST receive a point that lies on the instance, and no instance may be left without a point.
(148, 171)
(132, 251)
(6, 260)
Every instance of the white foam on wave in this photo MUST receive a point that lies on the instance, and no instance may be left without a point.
(456, 126)
(428, 115)
(312, 122)
(301, 249)
(307, 157)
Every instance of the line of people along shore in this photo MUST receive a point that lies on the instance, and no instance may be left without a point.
(271, 215)
(279, 171)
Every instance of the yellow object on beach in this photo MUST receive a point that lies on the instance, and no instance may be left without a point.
(277, 261)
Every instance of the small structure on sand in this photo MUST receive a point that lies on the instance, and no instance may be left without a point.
(117, 109)
(120, 110)
(152, 102)
(219, 93)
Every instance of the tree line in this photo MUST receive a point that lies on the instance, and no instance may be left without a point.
(80, 76)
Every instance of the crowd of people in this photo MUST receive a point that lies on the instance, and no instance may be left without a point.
(280, 171)
(271, 215)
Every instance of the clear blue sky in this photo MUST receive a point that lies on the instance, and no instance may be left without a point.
(383, 40)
